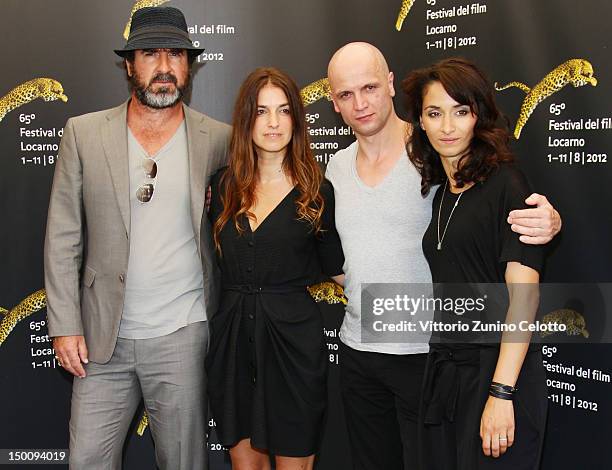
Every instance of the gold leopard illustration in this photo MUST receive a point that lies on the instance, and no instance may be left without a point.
(329, 292)
(403, 13)
(137, 6)
(45, 88)
(577, 72)
(315, 91)
(574, 321)
(31, 304)
(143, 423)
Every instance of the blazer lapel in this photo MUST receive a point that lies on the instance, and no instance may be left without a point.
(114, 142)
(198, 143)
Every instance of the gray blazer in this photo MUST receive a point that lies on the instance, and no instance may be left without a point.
(88, 225)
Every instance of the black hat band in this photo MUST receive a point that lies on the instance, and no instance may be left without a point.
(156, 32)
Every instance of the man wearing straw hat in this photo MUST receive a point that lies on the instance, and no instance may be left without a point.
(127, 294)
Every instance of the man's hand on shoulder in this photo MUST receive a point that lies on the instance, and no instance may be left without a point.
(537, 225)
(71, 353)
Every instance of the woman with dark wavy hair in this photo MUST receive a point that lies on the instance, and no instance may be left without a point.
(484, 405)
(273, 226)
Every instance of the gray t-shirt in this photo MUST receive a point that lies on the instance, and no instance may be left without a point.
(381, 229)
(164, 282)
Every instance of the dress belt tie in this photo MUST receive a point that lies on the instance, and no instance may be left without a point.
(249, 289)
(441, 387)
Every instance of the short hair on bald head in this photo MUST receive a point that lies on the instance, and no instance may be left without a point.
(357, 52)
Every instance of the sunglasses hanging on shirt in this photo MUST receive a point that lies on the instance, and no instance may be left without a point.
(145, 192)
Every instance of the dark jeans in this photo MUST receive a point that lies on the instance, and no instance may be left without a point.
(381, 394)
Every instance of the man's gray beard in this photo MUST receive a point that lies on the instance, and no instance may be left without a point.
(160, 99)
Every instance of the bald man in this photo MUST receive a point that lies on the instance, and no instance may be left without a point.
(381, 217)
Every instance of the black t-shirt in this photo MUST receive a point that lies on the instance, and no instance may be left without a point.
(478, 244)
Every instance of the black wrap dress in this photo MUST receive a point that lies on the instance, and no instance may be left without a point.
(267, 361)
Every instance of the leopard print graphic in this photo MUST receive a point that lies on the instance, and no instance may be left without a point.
(45, 88)
(577, 72)
(31, 304)
(574, 321)
(315, 91)
(403, 13)
(137, 6)
(329, 292)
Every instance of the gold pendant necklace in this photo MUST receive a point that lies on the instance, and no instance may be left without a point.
(440, 240)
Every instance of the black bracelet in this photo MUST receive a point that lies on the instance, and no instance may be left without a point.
(501, 395)
(503, 387)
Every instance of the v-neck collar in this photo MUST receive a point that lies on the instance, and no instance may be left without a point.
(180, 130)
(269, 214)
(385, 180)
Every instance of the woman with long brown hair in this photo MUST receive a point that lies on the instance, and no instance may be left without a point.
(273, 216)
(484, 405)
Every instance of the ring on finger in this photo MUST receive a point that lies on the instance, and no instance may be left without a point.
(59, 361)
